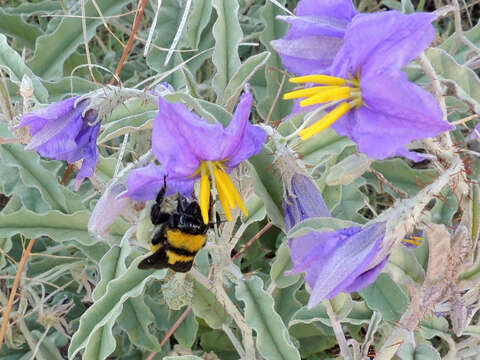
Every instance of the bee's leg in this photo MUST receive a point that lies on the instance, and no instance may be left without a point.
(159, 236)
(161, 193)
(157, 216)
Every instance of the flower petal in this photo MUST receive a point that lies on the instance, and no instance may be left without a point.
(304, 26)
(355, 254)
(145, 183)
(241, 139)
(307, 252)
(395, 113)
(107, 209)
(401, 39)
(329, 8)
(312, 54)
(366, 278)
(89, 154)
(306, 202)
(36, 120)
(181, 140)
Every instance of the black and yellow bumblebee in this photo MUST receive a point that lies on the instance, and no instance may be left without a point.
(181, 235)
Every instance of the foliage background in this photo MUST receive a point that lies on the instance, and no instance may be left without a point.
(81, 295)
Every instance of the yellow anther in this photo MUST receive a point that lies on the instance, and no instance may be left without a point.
(233, 190)
(205, 197)
(224, 186)
(306, 92)
(326, 121)
(227, 192)
(320, 79)
(224, 202)
(335, 94)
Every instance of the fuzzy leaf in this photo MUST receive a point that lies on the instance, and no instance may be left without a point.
(241, 77)
(13, 25)
(53, 49)
(54, 224)
(462, 79)
(33, 174)
(109, 306)
(135, 320)
(359, 314)
(318, 224)
(273, 341)
(10, 59)
(404, 266)
(198, 19)
(187, 331)
(286, 304)
(439, 249)
(401, 175)
(319, 148)
(386, 297)
(267, 186)
(228, 34)
(274, 29)
(207, 307)
(348, 170)
(280, 264)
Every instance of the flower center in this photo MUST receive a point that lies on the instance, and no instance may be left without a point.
(332, 90)
(227, 192)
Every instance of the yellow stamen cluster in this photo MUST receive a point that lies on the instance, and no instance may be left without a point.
(227, 192)
(332, 89)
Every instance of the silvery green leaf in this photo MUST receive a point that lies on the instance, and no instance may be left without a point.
(280, 264)
(318, 225)
(228, 34)
(109, 306)
(386, 297)
(273, 341)
(348, 170)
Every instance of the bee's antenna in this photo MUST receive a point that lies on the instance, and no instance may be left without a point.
(218, 222)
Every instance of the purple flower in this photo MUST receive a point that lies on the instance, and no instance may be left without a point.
(62, 132)
(334, 262)
(367, 96)
(190, 148)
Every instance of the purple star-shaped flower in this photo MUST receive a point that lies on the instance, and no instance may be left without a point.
(62, 132)
(334, 262)
(190, 148)
(367, 96)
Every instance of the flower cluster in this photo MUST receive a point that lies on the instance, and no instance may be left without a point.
(352, 70)
(346, 67)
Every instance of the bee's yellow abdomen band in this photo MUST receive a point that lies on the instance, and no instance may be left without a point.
(182, 240)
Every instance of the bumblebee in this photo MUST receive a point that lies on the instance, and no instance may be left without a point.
(181, 235)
